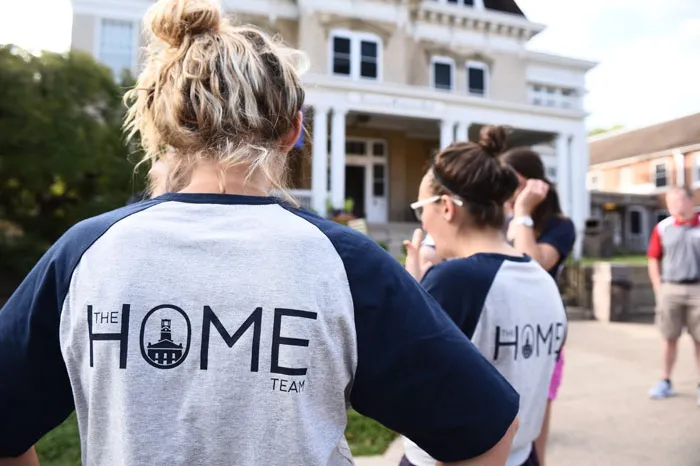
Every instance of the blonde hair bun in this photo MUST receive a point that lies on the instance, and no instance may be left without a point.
(173, 20)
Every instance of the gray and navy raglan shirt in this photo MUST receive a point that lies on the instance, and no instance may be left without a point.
(199, 329)
(511, 309)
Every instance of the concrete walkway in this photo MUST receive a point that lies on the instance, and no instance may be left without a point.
(603, 416)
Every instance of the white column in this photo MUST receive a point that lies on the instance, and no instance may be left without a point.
(338, 158)
(564, 172)
(447, 133)
(580, 197)
(319, 161)
(462, 132)
(679, 162)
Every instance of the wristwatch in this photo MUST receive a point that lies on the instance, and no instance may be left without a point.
(525, 220)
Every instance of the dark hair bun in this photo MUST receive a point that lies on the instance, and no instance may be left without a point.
(493, 139)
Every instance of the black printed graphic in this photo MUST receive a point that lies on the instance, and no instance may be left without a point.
(529, 334)
(528, 340)
(166, 353)
(278, 340)
(122, 337)
(210, 318)
(166, 334)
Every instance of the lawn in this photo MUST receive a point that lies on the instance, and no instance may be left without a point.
(61, 447)
(639, 259)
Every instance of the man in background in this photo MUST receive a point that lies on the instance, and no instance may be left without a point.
(674, 270)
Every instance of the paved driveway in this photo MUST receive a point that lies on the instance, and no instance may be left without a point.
(603, 416)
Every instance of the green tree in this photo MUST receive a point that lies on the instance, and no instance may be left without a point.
(597, 131)
(62, 153)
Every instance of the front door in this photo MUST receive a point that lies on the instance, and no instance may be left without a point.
(366, 178)
(355, 183)
(377, 205)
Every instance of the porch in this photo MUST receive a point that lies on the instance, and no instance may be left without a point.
(370, 142)
(627, 218)
(383, 158)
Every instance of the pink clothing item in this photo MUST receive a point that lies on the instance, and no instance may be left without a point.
(556, 377)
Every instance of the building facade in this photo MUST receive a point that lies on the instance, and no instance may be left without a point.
(391, 82)
(631, 171)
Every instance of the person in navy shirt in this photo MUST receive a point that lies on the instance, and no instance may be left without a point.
(539, 229)
(219, 325)
(505, 302)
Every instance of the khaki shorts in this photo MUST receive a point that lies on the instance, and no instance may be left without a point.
(678, 307)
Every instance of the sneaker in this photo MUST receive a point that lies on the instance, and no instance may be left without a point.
(663, 389)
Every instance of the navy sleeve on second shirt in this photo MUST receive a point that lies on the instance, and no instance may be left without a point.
(460, 287)
(561, 235)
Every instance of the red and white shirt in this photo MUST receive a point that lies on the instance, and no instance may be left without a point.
(676, 243)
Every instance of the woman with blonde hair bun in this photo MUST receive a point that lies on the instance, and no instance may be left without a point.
(217, 325)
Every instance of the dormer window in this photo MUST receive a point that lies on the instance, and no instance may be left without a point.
(477, 78)
(356, 55)
(470, 3)
(118, 45)
(442, 73)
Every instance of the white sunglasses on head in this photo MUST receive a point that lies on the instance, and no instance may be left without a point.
(418, 206)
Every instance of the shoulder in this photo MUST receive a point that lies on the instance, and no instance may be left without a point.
(360, 253)
(86, 232)
(70, 247)
(475, 272)
(561, 224)
(665, 224)
(559, 232)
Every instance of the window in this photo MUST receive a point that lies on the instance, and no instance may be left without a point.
(379, 180)
(477, 78)
(117, 45)
(355, 147)
(369, 56)
(442, 73)
(460, 2)
(341, 56)
(659, 174)
(378, 149)
(635, 219)
(551, 97)
(660, 215)
(593, 182)
(537, 95)
(696, 170)
(356, 55)
(568, 98)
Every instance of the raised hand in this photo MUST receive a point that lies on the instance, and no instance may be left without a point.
(534, 192)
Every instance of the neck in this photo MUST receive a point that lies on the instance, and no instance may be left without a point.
(482, 241)
(209, 178)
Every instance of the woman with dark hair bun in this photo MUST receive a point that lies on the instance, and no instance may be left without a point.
(499, 297)
(539, 229)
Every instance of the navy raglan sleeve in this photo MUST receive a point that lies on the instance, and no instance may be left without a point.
(417, 373)
(35, 391)
(460, 287)
(561, 236)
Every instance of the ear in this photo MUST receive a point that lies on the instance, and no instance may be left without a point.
(448, 208)
(288, 140)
